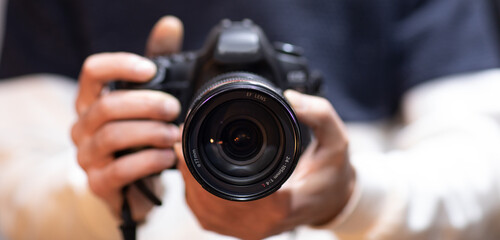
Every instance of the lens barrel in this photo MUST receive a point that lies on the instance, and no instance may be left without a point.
(241, 138)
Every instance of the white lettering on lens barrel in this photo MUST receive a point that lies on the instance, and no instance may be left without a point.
(195, 158)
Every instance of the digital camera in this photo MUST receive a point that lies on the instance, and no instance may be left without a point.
(241, 138)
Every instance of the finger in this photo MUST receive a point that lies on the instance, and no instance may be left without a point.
(121, 105)
(76, 133)
(191, 189)
(181, 165)
(195, 194)
(88, 160)
(130, 168)
(101, 68)
(166, 37)
(319, 115)
(117, 136)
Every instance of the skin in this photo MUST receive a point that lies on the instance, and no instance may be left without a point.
(108, 122)
(316, 192)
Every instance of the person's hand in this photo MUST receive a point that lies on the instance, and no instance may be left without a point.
(120, 120)
(317, 191)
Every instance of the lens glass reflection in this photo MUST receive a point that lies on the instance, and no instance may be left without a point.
(242, 140)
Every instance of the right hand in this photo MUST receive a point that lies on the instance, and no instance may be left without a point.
(125, 119)
(317, 191)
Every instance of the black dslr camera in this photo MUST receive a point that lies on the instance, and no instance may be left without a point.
(241, 138)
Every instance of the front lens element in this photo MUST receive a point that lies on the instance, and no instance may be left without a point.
(241, 139)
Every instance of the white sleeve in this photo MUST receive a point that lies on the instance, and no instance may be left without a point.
(43, 192)
(441, 177)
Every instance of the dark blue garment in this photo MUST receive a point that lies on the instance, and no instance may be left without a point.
(370, 52)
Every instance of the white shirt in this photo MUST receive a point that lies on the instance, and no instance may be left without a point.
(432, 174)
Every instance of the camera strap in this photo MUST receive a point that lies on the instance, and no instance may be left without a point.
(129, 226)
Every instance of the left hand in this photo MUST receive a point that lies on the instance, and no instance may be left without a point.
(119, 120)
(317, 191)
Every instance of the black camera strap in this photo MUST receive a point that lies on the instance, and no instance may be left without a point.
(129, 226)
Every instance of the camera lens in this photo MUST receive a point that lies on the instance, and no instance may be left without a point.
(240, 141)
(241, 138)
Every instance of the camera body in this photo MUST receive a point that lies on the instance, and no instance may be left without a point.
(241, 138)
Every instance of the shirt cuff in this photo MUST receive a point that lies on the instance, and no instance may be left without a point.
(375, 191)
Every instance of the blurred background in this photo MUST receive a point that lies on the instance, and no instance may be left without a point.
(45, 189)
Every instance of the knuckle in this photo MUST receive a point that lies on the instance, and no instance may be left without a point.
(324, 110)
(83, 155)
(81, 159)
(104, 139)
(323, 104)
(344, 145)
(108, 134)
(75, 133)
(323, 118)
(116, 174)
(96, 186)
(80, 104)
(104, 107)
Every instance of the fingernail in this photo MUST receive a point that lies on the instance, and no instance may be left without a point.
(171, 21)
(145, 67)
(169, 154)
(176, 132)
(172, 107)
(169, 158)
(295, 98)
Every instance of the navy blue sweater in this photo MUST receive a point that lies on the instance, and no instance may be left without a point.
(370, 52)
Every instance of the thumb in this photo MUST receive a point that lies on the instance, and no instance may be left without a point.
(180, 155)
(181, 162)
(181, 165)
(165, 37)
(318, 114)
